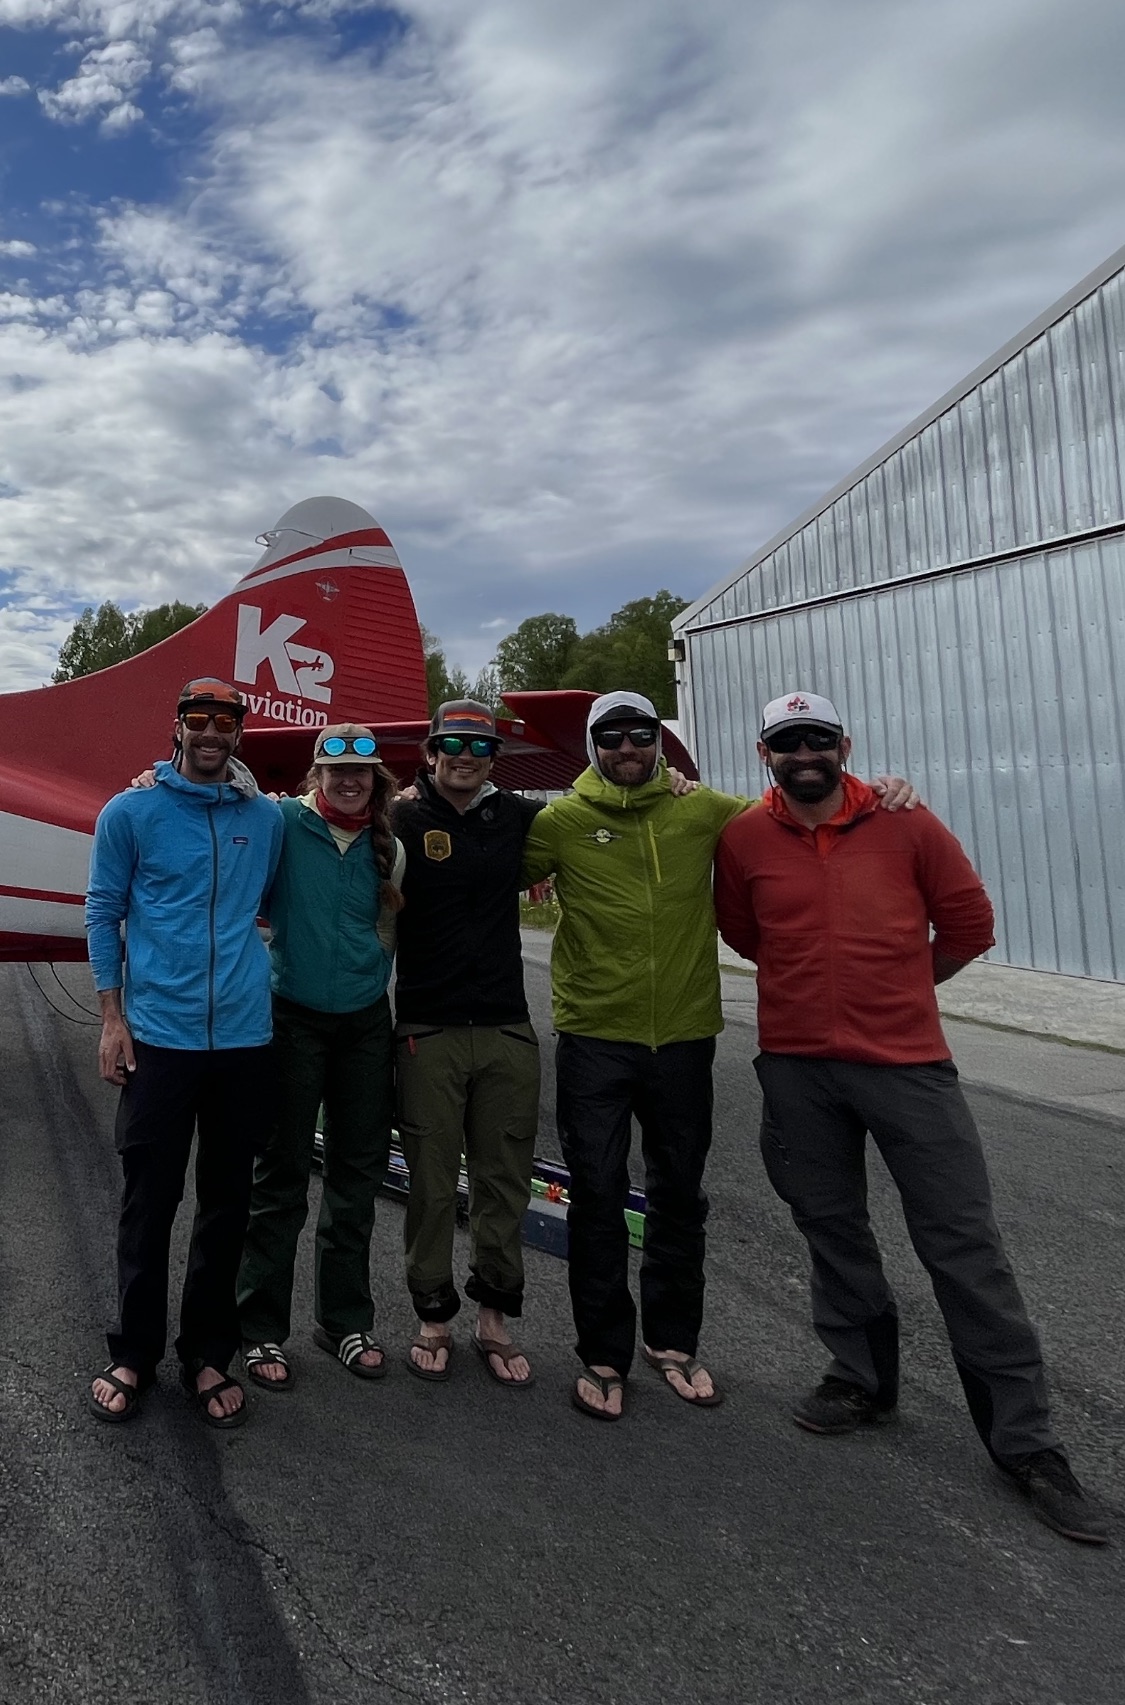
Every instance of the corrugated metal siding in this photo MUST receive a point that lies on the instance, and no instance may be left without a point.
(1000, 691)
(1032, 453)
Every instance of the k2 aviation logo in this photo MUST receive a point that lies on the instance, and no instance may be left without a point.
(298, 672)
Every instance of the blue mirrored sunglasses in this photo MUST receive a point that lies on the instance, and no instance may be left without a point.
(337, 744)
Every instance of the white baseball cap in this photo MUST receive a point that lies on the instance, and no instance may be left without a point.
(808, 709)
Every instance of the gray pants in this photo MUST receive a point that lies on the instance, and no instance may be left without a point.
(814, 1128)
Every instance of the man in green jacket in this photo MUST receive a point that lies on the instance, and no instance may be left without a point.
(635, 979)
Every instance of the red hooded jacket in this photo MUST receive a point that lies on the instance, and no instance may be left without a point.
(837, 919)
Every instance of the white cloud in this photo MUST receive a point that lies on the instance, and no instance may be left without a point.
(105, 79)
(581, 301)
(14, 86)
(16, 248)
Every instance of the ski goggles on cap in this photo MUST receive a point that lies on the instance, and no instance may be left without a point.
(362, 745)
(452, 745)
(611, 739)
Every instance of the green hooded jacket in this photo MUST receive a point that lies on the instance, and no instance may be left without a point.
(635, 956)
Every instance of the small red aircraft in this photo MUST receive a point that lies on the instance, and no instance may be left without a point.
(322, 629)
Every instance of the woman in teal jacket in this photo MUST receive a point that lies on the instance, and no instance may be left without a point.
(331, 913)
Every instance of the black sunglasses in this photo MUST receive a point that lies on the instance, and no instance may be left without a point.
(452, 745)
(610, 739)
(789, 739)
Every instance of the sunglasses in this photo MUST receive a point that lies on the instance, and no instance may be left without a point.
(225, 721)
(361, 744)
(452, 745)
(789, 739)
(610, 739)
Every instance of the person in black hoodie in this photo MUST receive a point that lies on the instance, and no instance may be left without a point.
(467, 1057)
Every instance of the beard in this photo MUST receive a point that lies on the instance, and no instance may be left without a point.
(802, 784)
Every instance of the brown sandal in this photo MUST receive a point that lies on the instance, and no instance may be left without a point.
(666, 1365)
(442, 1341)
(507, 1353)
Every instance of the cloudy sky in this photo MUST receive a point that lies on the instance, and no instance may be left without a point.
(579, 301)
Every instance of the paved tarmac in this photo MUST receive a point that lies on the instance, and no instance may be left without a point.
(405, 1541)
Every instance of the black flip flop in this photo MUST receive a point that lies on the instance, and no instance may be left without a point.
(222, 1423)
(605, 1384)
(131, 1393)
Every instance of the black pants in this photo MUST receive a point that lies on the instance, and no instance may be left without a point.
(344, 1060)
(601, 1087)
(227, 1093)
(814, 1132)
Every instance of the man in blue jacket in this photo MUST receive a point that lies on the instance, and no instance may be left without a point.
(184, 865)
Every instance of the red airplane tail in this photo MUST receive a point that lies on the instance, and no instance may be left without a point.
(322, 629)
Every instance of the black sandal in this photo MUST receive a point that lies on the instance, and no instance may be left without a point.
(203, 1399)
(605, 1384)
(131, 1393)
(348, 1349)
(253, 1355)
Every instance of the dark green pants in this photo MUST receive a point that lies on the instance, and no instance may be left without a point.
(345, 1061)
(471, 1089)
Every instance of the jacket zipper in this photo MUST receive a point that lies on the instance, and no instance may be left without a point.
(652, 932)
(211, 926)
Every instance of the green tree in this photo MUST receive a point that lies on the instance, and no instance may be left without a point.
(106, 635)
(443, 683)
(630, 652)
(440, 684)
(486, 690)
(538, 654)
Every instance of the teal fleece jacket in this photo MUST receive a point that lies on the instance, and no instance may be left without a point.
(323, 911)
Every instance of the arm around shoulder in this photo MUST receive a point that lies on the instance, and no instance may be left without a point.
(540, 849)
(734, 899)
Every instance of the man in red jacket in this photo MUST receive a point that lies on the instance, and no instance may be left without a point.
(834, 901)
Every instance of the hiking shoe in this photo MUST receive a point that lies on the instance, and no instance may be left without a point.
(836, 1406)
(1057, 1499)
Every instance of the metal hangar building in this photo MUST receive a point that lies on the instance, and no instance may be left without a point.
(961, 598)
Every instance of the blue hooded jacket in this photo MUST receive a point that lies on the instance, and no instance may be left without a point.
(185, 866)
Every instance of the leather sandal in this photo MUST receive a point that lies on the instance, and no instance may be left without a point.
(507, 1353)
(605, 1384)
(441, 1341)
(668, 1365)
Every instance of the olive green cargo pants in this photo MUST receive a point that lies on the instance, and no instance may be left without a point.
(471, 1089)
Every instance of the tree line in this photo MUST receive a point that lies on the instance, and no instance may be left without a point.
(629, 651)
(545, 652)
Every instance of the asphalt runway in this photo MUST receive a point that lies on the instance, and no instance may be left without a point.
(412, 1542)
